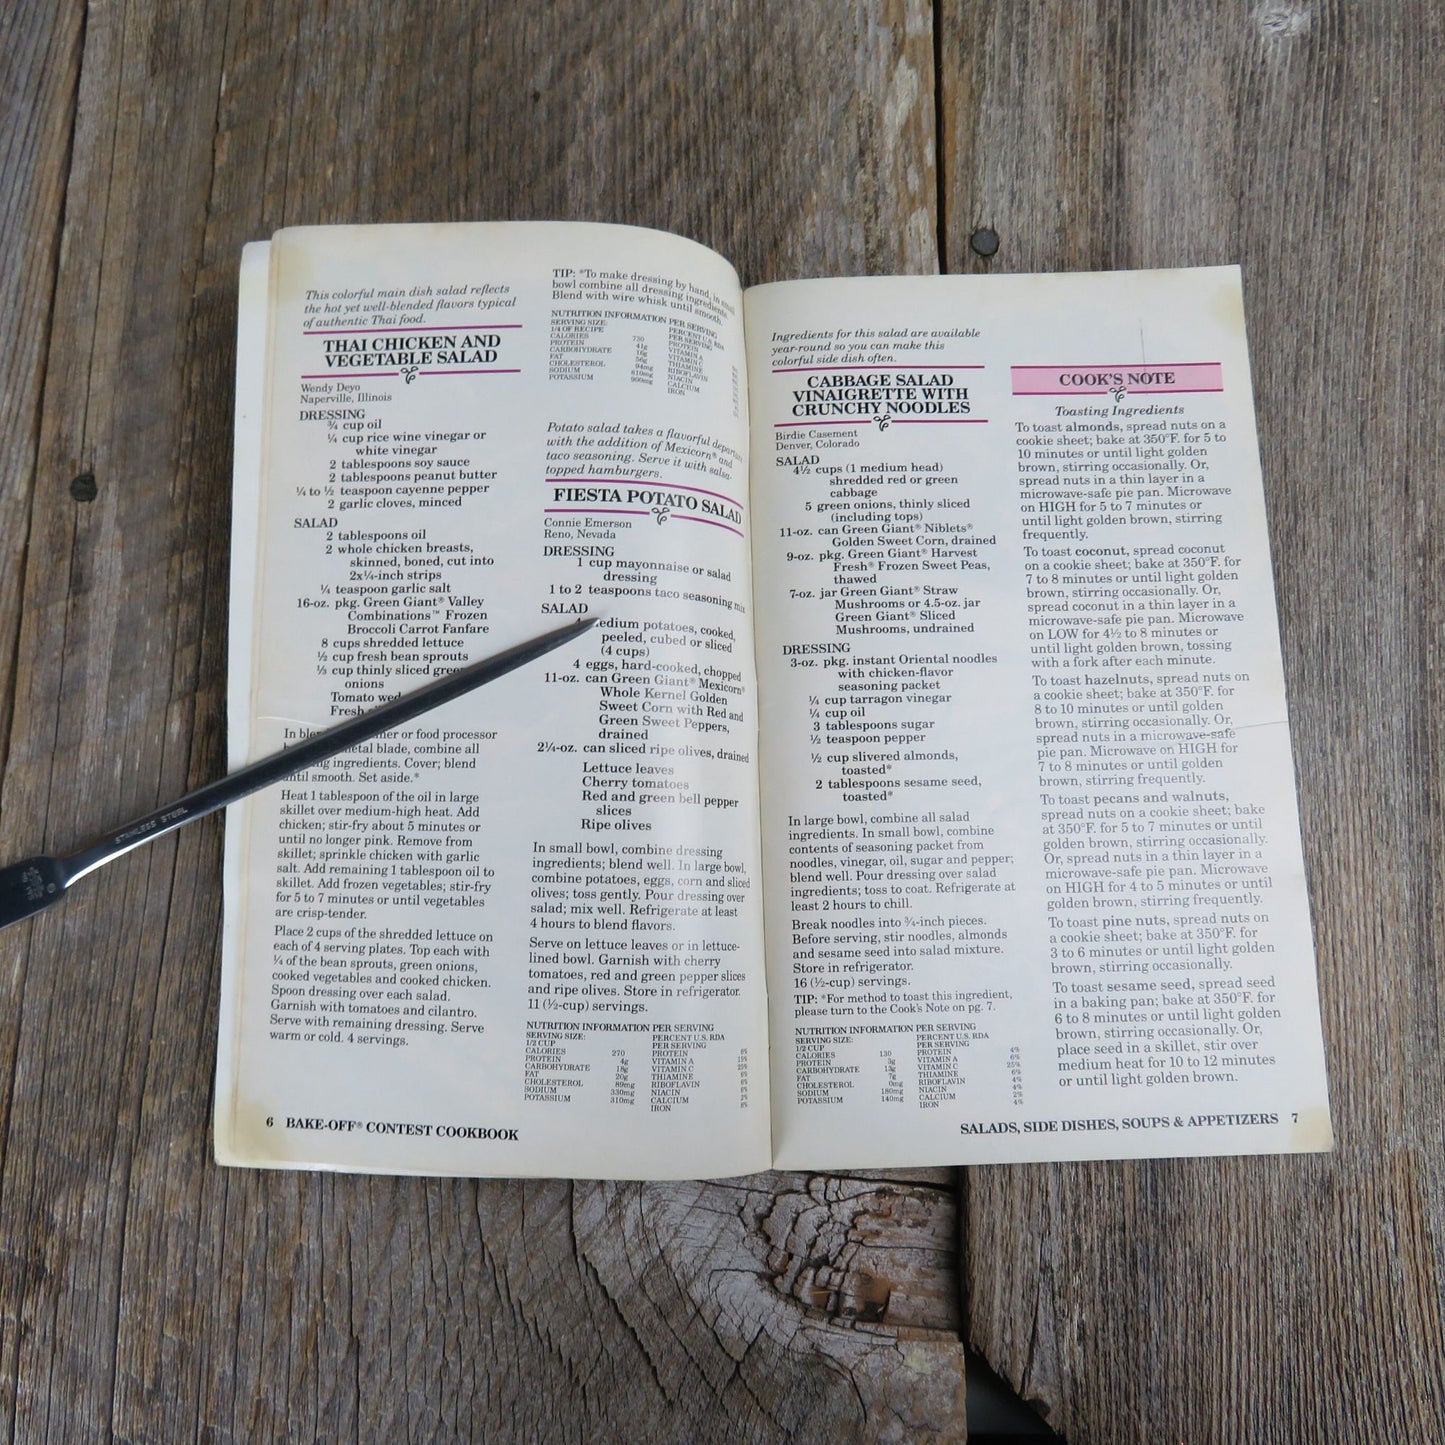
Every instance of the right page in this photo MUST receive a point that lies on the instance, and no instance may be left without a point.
(1034, 887)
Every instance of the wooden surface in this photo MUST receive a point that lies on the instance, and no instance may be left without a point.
(147, 1295)
(1265, 1300)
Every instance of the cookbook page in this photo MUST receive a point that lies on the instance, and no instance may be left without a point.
(522, 935)
(1030, 830)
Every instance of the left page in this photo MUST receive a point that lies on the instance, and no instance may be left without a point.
(521, 936)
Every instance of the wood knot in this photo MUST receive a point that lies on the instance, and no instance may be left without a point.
(864, 1253)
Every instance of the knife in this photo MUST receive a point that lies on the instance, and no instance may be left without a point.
(36, 883)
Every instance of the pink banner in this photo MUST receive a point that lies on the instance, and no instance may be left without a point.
(1132, 378)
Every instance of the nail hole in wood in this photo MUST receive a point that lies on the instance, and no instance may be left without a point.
(984, 241)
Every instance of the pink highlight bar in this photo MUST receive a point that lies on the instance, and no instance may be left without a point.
(939, 421)
(391, 330)
(829, 421)
(1152, 378)
(640, 482)
(471, 371)
(684, 517)
(332, 375)
(886, 366)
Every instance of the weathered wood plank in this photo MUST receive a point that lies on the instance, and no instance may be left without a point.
(146, 1294)
(794, 142)
(39, 59)
(774, 1308)
(1270, 1300)
(104, 687)
(39, 65)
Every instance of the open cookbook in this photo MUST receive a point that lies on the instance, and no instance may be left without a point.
(923, 796)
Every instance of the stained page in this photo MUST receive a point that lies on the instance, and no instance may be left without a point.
(523, 935)
(1035, 881)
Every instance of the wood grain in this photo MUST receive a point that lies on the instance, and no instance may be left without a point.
(578, 1312)
(1274, 1299)
(39, 65)
(144, 1294)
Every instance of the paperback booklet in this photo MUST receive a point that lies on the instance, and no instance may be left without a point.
(923, 796)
